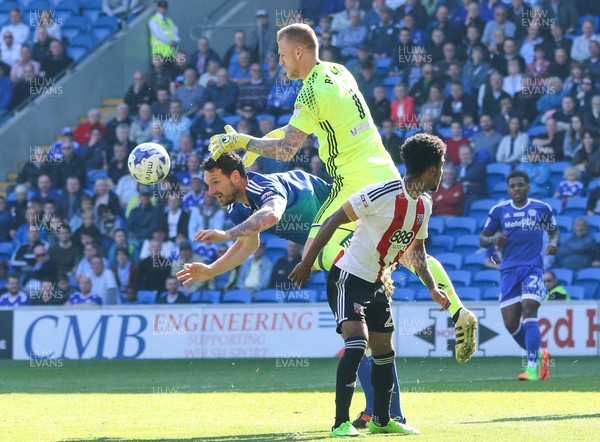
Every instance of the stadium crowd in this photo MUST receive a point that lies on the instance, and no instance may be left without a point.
(506, 84)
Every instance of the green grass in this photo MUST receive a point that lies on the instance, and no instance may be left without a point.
(256, 400)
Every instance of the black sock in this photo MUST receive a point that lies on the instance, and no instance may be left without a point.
(346, 377)
(455, 316)
(382, 378)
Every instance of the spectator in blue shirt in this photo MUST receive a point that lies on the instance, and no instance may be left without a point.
(84, 295)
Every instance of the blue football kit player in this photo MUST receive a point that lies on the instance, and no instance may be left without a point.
(517, 227)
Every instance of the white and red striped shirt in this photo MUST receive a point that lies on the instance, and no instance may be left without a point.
(388, 222)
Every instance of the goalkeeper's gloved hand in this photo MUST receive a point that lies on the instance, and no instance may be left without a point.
(251, 157)
(230, 140)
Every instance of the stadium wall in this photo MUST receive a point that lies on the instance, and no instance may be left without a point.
(107, 73)
(285, 332)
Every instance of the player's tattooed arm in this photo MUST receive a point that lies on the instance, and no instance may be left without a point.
(553, 237)
(418, 258)
(265, 217)
(282, 149)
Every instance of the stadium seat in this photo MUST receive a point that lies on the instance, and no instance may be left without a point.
(597, 237)
(267, 116)
(301, 295)
(470, 293)
(473, 262)
(563, 276)
(499, 190)
(575, 207)
(38, 5)
(74, 26)
(400, 276)
(481, 209)
(66, 9)
(436, 225)
(322, 296)
(277, 243)
(270, 295)
(450, 261)
(283, 120)
(103, 27)
(413, 282)
(77, 53)
(556, 173)
(593, 184)
(86, 41)
(466, 244)
(497, 173)
(274, 254)
(440, 244)
(210, 297)
(107, 21)
(92, 9)
(461, 225)
(486, 278)
(535, 131)
(490, 294)
(556, 204)
(237, 297)
(589, 279)
(6, 250)
(594, 223)
(317, 278)
(460, 278)
(401, 169)
(575, 292)
(382, 65)
(564, 224)
(403, 294)
(423, 295)
(392, 81)
(232, 119)
(6, 6)
(147, 296)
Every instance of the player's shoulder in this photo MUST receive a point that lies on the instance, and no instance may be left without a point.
(258, 182)
(384, 189)
(535, 203)
(503, 205)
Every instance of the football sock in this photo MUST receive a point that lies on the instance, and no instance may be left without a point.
(519, 336)
(382, 379)
(364, 376)
(532, 340)
(395, 408)
(346, 377)
(443, 282)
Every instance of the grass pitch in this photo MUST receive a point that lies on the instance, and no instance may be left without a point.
(269, 400)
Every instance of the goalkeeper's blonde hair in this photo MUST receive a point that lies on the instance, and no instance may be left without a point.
(300, 33)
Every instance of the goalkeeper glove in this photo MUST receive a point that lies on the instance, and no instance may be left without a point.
(230, 140)
(251, 157)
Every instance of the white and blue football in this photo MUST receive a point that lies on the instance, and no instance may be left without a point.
(149, 163)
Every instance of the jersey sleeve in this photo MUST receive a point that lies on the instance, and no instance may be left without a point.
(262, 189)
(373, 198)
(238, 213)
(492, 224)
(548, 221)
(307, 109)
(423, 232)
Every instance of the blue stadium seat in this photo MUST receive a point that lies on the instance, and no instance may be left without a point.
(423, 295)
(461, 225)
(270, 295)
(499, 190)
(597, 237)
(470, 293)
(556, 204)
(87, 41)
(400, 277)
(593, 184)
(196, 297)
(466, 244)
(210, 297)
(594, 223)
(74, 26)
(38, 5)
(147, 296)
(283, 120)
(6, 250)
(6, 6)
(450, 261)
(301, 295)
(460, 278)
(401, 169)
(575, 292)
(486, 278)
(237, 297)
(277, 243)
(77, 53)
(497, 173)
(436, 225)
(107, 21)
(66, 9)
(473, 262)
(267, 116)
(490, 294)
(535, 131)
(382, 65)
(481, 209)
(103, 27)
(564, 224)
(392, 81)
(563, 276)
(413, 282)
(274, 254)
(403, 294)
(589, 279)
(575, 207)
(440, 244)
(232, 119)
(317, 278)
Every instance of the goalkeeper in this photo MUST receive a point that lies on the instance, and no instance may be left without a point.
(331, 106)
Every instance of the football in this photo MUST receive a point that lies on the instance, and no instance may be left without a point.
(149, 163)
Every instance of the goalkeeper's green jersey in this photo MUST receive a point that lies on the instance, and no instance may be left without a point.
(331, 106)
